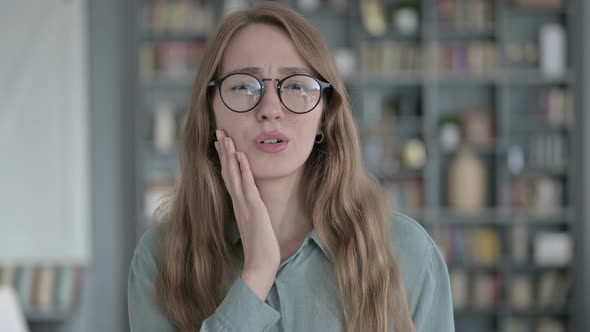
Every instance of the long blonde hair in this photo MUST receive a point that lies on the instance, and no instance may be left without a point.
(196, 258)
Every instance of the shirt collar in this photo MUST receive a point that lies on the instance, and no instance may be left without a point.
(316, 238)
(234, 237)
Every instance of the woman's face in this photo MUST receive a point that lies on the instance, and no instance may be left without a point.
(265, 52)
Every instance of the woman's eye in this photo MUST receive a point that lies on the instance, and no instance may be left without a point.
(244, 88)
(296, 87)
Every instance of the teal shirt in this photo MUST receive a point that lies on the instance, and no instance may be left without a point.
(302, 298)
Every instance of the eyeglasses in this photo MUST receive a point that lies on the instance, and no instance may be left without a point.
(299, 93)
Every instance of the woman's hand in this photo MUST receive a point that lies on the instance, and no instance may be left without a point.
(262, 254)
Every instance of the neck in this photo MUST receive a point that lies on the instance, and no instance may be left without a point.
(289, 219)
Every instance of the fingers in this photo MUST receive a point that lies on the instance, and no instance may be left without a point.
(249, 188)
(230, 170)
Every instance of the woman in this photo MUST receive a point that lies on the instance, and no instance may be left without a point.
(274, 224)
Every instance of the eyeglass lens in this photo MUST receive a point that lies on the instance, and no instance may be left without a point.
(299, 93)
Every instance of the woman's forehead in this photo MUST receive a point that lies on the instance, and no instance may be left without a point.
(262, 49)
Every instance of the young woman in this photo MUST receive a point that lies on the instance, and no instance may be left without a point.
(275, 225)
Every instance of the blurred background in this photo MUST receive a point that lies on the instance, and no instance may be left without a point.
(472, 115)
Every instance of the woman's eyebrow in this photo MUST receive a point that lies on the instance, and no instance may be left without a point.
(246, 70)
(294, 70)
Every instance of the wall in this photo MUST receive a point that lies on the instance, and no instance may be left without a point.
(112, 91)
(582, 290)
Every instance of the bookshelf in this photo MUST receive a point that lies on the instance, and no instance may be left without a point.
(460, 89)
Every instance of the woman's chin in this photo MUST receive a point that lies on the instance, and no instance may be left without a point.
(272, 172)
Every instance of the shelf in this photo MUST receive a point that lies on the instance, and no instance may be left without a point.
(534, 77)
(156, 163)
(35, 316)
(501, 216)
(162, 37)
(401, 174)
(451, 36)
(168, 84)
(481, 151)
(391, 79)
(540, 172)
(476, 268)
(154, 92)
(485, 218)
(456, 78)
(540, 11)
(474, 312)
(536, 312)
(503, 88)
(562, 216)
(519, 268)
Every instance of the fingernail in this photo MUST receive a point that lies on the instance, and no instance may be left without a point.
(218, 134)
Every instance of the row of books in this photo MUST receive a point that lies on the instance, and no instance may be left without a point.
(186, 16)
(557, 107)
(547, 152)
(550, 290)
(477, 290)
(406, 194)
(479, 246)
(551, 107)
(483, 247)
(482, 291)
(545, 324)
(44, 288)
(173, 60)
(538, 195)
(388, 57)
(461, 15)
(472, 58)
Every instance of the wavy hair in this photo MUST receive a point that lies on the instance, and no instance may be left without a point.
(197, 261)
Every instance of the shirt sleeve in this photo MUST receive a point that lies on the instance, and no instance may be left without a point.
(434, 307)
(240, 310)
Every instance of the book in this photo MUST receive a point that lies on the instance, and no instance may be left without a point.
(485, 291)
(484, 246)
(459, 288)
(45, 289)
(550, 325)
(7, 275)
(24, 285)
(521, 292)
(64, 288)
(553, 289)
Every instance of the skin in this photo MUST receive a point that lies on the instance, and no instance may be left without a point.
(265, 187)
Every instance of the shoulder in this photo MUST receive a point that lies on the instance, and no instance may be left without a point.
(414, 251)
(147, 248)
(410, 241)
(424, 274)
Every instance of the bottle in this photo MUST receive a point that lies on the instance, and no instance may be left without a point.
(467, 182)
(553, 57)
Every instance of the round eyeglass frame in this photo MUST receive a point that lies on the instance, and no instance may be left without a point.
(323, 86)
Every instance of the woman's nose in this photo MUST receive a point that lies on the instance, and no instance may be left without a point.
(270, 107)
